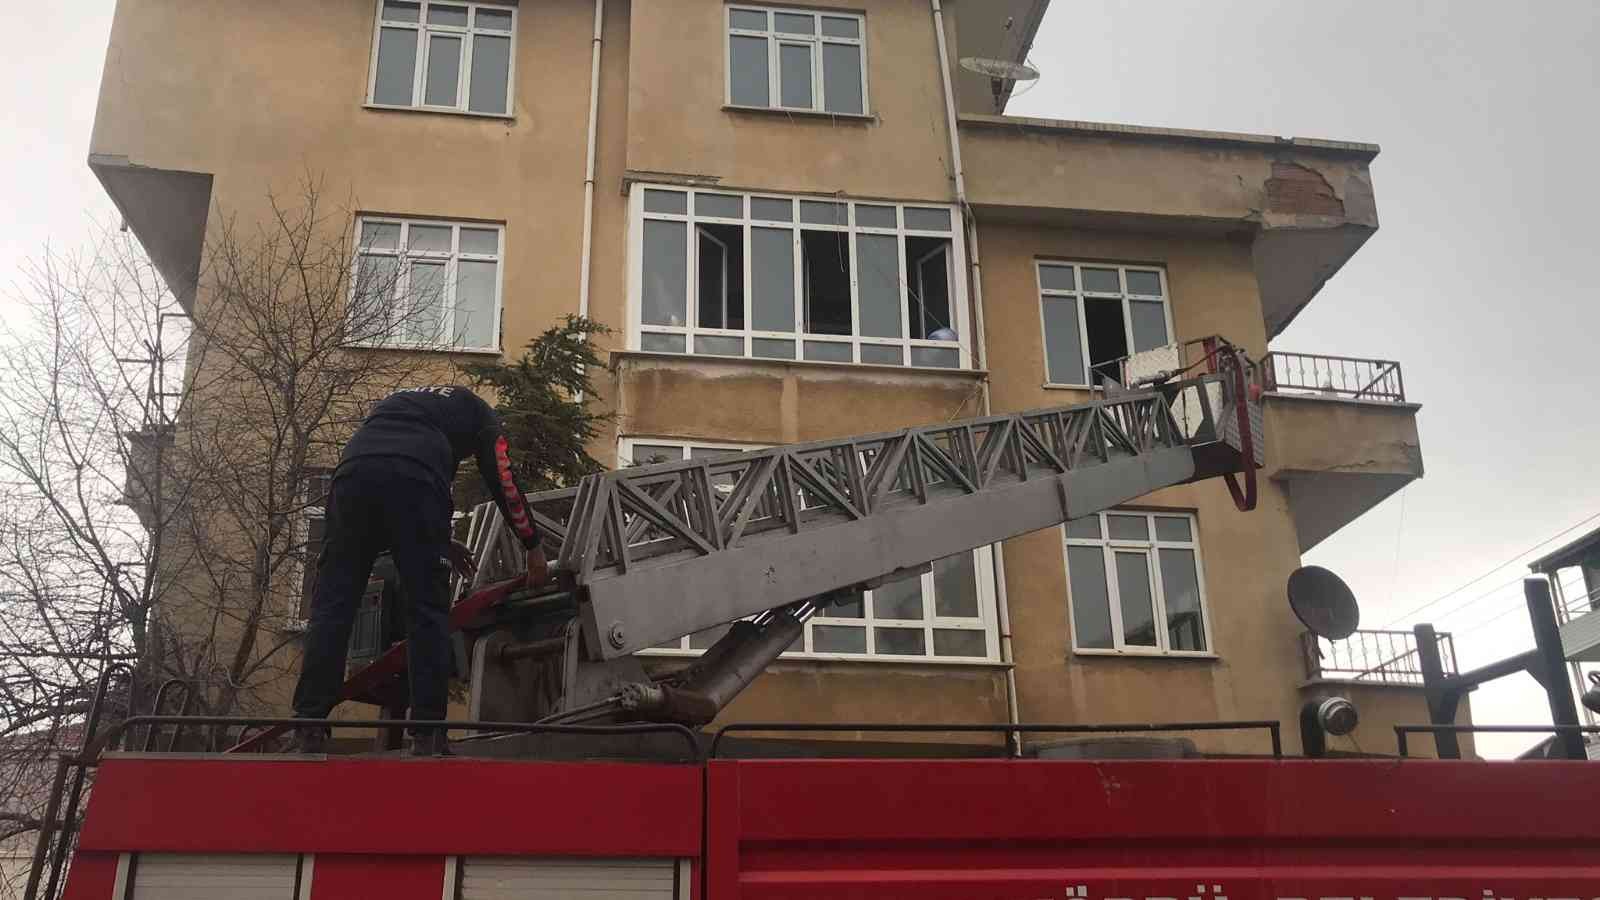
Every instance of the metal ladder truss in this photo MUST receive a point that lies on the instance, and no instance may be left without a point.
(658, 551)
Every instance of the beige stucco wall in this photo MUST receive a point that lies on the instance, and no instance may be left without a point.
(1383, 706)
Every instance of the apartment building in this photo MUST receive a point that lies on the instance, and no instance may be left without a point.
(806, 221)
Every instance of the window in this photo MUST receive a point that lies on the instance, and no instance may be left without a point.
(797, 59)
(946, 614)
(1094, 316)
(310, 532)
(443, 56)
(1136, 584)
(426, 285)
(724, 274)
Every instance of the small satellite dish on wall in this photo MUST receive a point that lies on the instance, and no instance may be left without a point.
(999, 69)
(1323, 603)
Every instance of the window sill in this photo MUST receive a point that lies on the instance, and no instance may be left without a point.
(1051, 386)
(1135, 654)
(441, 351)
(853, 118)
(764, 362)
(858, 658)
(441, 111)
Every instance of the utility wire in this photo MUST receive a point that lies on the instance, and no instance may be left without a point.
(1442, 597)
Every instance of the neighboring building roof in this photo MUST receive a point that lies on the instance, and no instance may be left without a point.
(1569, 555)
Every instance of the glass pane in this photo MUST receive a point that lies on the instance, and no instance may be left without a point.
(769, 210)
(371, 298)
(475, 286)
(491, 72)
(790, 23)
(1149, 324)
(823, 351)
(1101, 280)
(875, 216)
(400, 12)
(900, 641)
(661, 343)
(925, 219)
(814, 212)
(444, 70)
(898, 600)
(767, 348)
(429, 239)
(854, 608)
(719, 345)
(495, 19)
(838, 639)
(772, 279)
(724, 205)
(1180, 588)
(1091, 610)
(480, 240)
(748, 71)
(701, 640)
(1144, 282)
(380, 235)
(397, 66)
(959, 642)
(935, 357)
(878, 279)
(833, 26)
(749, 19)
(650, 454)
(794, 75)
(1169, 528)
(666, 274)
(1127, 528)
(955, 586)
(841, 78)
(676, 202)
(1133, 594)
(423, 308)
(881, 355)
(1063, 347)
(453, 16)
(1056, 278)
(1087, 527)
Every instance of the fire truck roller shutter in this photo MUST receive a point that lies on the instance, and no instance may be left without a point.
(525, 878)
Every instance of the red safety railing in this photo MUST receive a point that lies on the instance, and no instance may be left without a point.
(1382, 657)
(1344, 377)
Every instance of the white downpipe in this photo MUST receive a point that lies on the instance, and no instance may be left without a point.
(588, 168)
(980, 346)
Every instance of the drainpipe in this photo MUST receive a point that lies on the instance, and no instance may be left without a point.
(980, 348)
(588, 169)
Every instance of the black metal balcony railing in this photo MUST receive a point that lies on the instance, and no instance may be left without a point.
(1379, 657)
(1345, 377)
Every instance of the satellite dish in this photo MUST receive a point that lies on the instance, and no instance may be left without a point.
(1323, 603)
(1000, 69)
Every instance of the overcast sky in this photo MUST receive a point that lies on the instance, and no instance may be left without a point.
(1480, 281)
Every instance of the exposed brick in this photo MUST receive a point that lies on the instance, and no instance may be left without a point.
(1298, 190)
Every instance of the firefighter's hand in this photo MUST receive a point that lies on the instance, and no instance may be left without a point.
(538, 567)
(461, 560)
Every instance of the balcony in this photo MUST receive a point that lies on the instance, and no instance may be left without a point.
(1341, 436)
(1576, 595)
(1372, 657)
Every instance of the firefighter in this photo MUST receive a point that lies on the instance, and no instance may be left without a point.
(391, 492)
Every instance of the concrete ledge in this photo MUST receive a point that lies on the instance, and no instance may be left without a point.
(1357, 149)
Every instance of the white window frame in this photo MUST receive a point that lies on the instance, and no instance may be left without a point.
(690, 330)
(464, 75)
(1151, 549)
(775, 40)
(450, 260)
(1078, 295)
(301, 595)
(983, 573)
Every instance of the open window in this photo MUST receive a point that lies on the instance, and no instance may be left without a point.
(928, 299)
(1095, 316)
(720, 293)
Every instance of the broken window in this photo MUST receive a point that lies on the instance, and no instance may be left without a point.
(796, 278)
(1095, 316)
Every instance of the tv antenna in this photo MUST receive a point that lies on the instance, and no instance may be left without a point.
(1323, 603)
(999, 71)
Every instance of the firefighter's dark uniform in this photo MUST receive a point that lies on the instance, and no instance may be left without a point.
(391, 492)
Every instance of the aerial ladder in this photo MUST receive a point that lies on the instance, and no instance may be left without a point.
(767, 538)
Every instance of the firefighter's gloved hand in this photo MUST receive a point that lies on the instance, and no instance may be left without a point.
(538, 568)
(461, 560)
